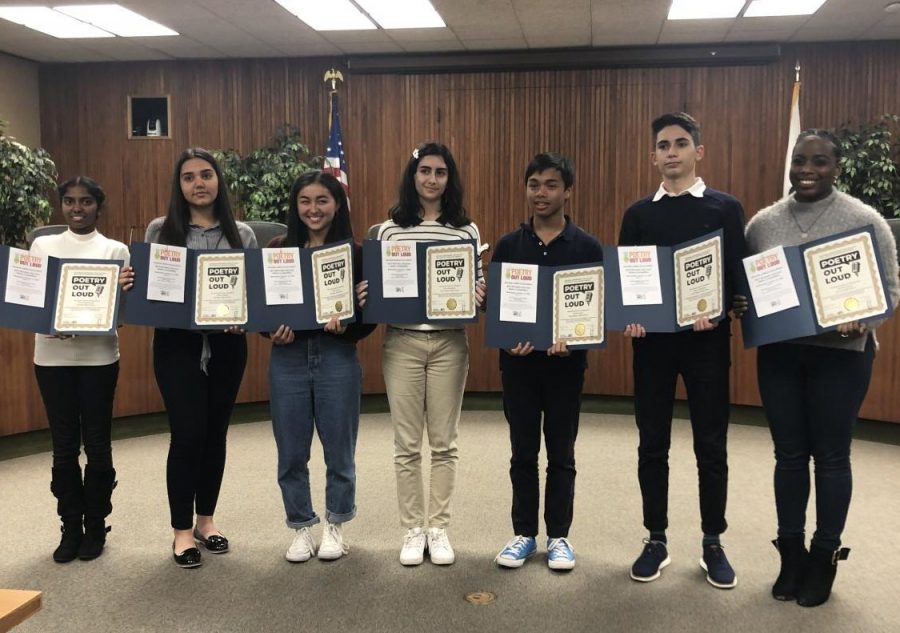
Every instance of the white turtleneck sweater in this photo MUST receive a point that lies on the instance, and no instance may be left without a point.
(77, 350)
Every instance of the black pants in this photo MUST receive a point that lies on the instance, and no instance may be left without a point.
(199, 407)
(79, 402)
(703, 360)
(552, 392)
(812, 397)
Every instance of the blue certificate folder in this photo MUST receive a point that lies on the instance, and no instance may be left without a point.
(659, 317)
(40, 320)
(508, 334)
(260, 317)
(800, 320)
(379, 309)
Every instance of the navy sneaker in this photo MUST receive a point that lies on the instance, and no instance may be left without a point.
(652, 560)
(516, 551)
(718, 570)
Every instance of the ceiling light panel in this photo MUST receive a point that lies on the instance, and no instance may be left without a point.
(333, 15)
(704, 9)
(775, 8)
(47, 21)
(116, 19)
(402, 14)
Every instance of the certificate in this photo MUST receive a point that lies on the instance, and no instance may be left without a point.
(399, 270)
(639, 272)
(578, 306)
(450, 282)
(221, 292)
(698, 281)
(518, 292)
(771, 284)
(282, 276)
(844, 280)
(332, 270)
(26, 278)
(87, 297)
(166, 273)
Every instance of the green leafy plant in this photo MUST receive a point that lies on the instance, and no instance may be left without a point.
(261, 181)
(869, 166)
(26, 177)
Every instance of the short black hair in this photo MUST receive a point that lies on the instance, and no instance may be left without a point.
(94, 189)
(825, 135)
(552, 160)
(682, 120)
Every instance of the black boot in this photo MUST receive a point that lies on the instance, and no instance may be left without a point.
(793, 560)
(98, 487)
(818, 577)
(66, 486)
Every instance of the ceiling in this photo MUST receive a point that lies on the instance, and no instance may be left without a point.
(261, 28)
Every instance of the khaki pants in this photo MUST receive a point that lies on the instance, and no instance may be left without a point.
(425, 376)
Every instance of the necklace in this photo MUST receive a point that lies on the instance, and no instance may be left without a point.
(804, 232)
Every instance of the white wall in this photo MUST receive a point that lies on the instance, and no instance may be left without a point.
(20, 102)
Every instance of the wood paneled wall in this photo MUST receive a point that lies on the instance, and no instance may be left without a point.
(493, 122)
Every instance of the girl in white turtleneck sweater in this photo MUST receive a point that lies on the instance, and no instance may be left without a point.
(77, 378)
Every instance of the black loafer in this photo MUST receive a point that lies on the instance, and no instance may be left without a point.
(188, 559)
(214, 544)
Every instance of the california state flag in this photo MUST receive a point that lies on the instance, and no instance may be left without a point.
(793, 132)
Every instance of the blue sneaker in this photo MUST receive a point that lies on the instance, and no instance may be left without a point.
(516, 551)
(560, 554)
(718, 570)
(652, 560)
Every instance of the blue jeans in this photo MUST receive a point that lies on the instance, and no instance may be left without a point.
(315, 382)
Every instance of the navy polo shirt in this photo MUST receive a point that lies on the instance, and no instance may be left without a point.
(523, 246)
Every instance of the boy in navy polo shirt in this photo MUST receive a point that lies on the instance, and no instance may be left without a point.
(683, 208)
(543, 387)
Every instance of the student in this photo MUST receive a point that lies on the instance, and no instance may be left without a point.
(425, 365)
(544, 383)
(315, 382)
(77, 378)
(812, 388)
(683, 208)
(198, 373)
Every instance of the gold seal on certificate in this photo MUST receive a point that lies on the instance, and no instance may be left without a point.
(333, 282)
(578, 306)
(221, 294)
(845, 280)
(450, 282)
(87, 297)
(698, 281)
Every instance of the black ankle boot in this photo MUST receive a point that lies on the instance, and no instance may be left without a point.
(66, 486)
(70, 542)
(793, 560)
(818, 577)
(98, 487)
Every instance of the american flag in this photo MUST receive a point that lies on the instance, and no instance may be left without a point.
(335, 161)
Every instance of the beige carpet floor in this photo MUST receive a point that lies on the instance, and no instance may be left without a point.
(136, 587)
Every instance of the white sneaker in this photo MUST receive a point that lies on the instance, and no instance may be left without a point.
(302, 548)
(413, 552)
(332, 547)
(439, 549)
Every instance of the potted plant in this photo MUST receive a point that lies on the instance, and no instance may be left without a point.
(261, 181)
(26, 177)
(869, 164)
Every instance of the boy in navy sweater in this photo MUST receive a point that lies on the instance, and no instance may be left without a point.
(683, 208)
